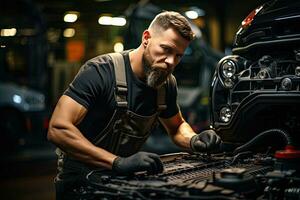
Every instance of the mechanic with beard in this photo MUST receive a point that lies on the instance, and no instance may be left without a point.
(101, 121)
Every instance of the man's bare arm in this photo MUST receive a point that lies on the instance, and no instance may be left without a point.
(64, 133)
(179, 130)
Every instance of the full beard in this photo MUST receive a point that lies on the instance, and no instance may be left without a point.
(155, 75)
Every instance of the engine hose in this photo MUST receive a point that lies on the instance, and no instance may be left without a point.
(261, 136)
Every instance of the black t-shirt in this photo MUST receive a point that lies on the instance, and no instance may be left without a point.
(94, 85)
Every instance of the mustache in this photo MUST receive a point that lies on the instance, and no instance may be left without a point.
(161, 69)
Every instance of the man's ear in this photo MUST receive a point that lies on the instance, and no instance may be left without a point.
(146, 37)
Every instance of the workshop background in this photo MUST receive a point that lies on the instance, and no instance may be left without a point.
(43, 44)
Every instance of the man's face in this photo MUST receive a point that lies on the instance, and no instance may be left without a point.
(162, 53)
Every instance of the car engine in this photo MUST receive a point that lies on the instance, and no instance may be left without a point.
(219, 176)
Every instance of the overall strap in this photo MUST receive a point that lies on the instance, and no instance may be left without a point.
(161, 98)
(121, 83)
(161, 93)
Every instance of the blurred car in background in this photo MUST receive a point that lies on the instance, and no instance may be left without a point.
(23, 71)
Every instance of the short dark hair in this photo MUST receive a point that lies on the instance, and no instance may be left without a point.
(172, 19)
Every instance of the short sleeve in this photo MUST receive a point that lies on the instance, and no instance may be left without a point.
(171, 99)
(86, 86)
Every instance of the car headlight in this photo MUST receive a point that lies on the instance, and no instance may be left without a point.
(228, 83)
(297, 71)
(228, 68)
(225, 114)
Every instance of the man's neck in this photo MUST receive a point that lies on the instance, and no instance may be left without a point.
(136, 62)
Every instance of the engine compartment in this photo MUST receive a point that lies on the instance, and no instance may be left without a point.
(219, 176)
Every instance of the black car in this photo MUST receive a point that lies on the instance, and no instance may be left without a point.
(257, 88)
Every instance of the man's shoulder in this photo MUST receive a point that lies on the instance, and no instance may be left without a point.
(100, 64)
(100, 60)
(105, 59)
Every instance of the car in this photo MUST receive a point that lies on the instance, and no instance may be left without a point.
(23, 76)
(257, 88)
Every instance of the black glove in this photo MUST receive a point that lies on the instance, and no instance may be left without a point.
(141, 161)
(205, 141)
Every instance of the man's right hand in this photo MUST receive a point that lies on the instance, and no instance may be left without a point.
(205, 141)
(141, 161)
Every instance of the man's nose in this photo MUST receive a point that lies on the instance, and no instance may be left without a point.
(170, 61)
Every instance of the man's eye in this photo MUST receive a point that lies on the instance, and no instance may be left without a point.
(166, 49)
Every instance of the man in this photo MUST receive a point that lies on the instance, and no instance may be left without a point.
(102, 120)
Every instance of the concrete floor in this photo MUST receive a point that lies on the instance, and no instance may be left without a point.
(28, 175)
(28, 188)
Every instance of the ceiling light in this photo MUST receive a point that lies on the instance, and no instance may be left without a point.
(192, 14)
(8, 32)
(71, 16)
(118, 47)
(115, 21)
(105, 20)
(118, 21)
(69, 32)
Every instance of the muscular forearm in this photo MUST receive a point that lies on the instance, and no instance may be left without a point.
(71, 141)
(182, 135)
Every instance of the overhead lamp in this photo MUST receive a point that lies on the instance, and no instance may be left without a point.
(71, 16)
(192, 14)
(105, 20)
(118, 47)
(118, 21)
(115, 21)
(8, 32)
(69, 32)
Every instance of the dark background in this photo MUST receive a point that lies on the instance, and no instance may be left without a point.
(27, 170)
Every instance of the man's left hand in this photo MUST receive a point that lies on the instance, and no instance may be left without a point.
(205, 141)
